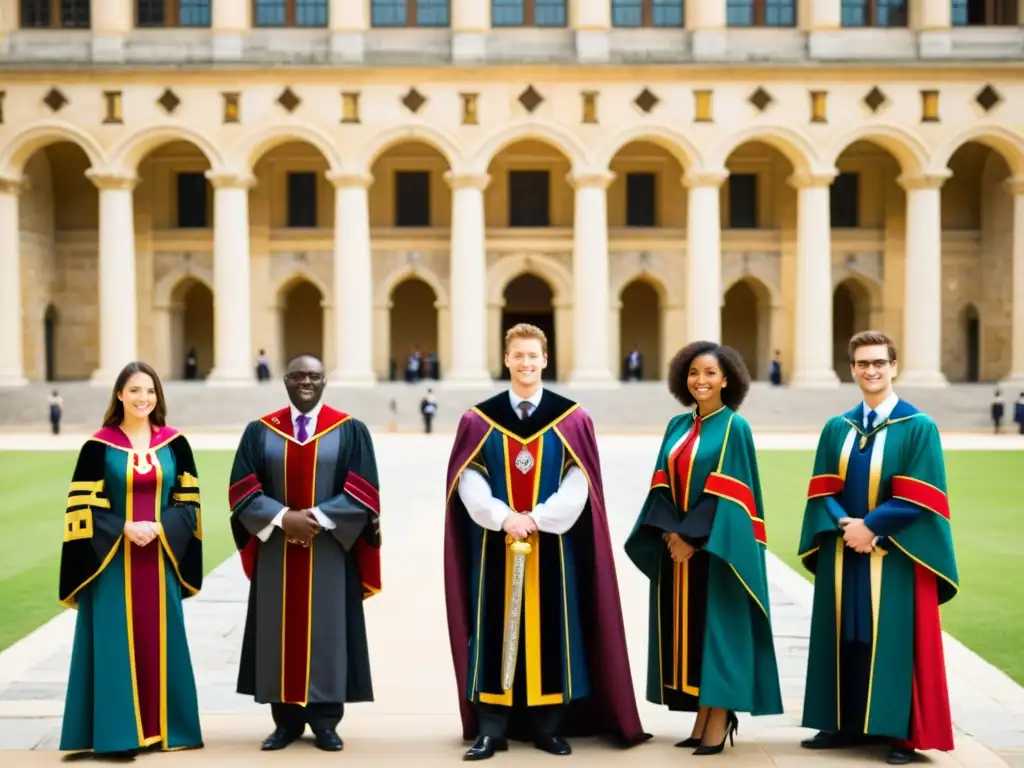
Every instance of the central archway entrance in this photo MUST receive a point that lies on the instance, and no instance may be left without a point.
(528, 299)
(301, 321)
(192, 328)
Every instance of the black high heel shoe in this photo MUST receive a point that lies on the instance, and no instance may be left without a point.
(732, 726)
(692, 741)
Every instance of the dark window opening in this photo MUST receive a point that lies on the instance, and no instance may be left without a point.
(302, 199)
(412, 198)
(641, 200)
(529, 195)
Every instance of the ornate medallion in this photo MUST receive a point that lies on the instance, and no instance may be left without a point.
(524, 461)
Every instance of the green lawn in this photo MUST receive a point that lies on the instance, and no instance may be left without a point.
(988, 533)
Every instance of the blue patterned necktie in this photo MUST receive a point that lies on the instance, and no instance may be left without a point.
(303, 435)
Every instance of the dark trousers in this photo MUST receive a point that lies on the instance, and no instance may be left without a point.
(855, 672)
(320, 716)
(493, 719)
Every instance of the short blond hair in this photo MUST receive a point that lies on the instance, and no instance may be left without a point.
(526, 331)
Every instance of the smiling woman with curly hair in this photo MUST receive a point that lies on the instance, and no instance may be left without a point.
(700, 539)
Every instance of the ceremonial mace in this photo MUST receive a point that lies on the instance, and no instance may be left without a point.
(510, 642)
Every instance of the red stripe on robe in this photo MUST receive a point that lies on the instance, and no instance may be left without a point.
(296, 618)
(145, 606)
(522, 484)
(824, 485)
(367, 557)
(738, 492)
(931, 724)
(922, 494)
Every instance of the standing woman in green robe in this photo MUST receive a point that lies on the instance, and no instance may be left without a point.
(132, 552)
(700, 539)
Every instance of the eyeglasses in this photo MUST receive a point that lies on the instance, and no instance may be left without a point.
(298, 376)
(863, 365)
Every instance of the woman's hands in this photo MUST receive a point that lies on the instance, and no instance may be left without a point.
(678, 549)
(142, 532)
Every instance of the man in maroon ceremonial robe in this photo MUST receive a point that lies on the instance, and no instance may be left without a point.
(524, 469)
(305, 510)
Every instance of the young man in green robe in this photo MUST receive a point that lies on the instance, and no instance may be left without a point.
(876, 534)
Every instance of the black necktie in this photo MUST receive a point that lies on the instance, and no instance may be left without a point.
(524, 409)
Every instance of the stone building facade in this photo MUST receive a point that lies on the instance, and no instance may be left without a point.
(358, 178)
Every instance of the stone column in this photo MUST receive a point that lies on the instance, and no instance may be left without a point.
(11, 355)
(348, 21)
(1015, 187)
(233, 361)
(230, 21)
(819, 15)
(590, 278)
(933, 23)
(592, 23)
(704, 256)
(112, 21)
(706, 21)
(813, 359)
(117, 283)
(921, 350)
(353, 280)
(468, 278)
(471, 24)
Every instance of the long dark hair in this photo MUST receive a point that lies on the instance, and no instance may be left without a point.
(115, 411)
(732, 368)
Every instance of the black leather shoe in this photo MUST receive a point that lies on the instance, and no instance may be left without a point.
(690, 742)
(553, 745)
(900, 756)
(328, 740)
(485, 747)
(830, 740)
(280, 739)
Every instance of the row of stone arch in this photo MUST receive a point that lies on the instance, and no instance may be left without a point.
(413, 305)
(911, 151)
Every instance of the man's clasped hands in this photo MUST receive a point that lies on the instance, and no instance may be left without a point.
(857, 536)
(300, 526)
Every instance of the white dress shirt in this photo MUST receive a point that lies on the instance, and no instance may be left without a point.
(533, 400)
(325, 522)
(556, 515)
(883, 410)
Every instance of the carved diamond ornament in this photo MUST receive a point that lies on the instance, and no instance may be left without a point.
(988, 97)
(413, 100)
(761, 99)
(55, 100)
(169, 101)
(530, 99)
(646, 100)
(875, 99)
(289, 100)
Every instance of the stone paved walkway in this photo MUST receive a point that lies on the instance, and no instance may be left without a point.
(414, 715)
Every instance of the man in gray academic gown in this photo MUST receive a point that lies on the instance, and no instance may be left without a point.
(305, 510)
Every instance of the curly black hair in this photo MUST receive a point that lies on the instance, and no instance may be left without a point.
(733, 368)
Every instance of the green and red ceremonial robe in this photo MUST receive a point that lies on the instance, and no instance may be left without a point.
(305, 632)
(131, 683)
(709, 631)
(573, 638)
(894, 478)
